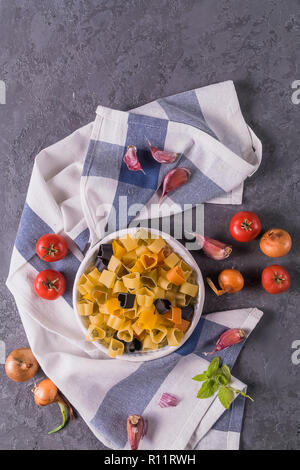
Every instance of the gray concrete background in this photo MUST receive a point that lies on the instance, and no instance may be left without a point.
(59, 60)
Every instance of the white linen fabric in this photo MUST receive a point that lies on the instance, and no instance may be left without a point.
(72, 182)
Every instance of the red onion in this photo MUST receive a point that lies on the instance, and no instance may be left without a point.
(167, 399)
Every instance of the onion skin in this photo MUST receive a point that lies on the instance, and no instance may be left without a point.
(275, 243)
(21, 365)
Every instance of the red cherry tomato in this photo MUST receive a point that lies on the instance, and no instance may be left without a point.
(275, 279)
(49, 284)
(51, 247)
(245, 226)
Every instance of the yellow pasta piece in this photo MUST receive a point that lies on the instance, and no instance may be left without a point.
(171, 296)
(142, 234)
(164, 283)
(137, 267)
(116, 348)
(182, 300)
(94, 276)
(158, 334)
(187, 270)
(157, 245)
(129, 259)
(95, 333)
(149, 279)
(174, 336)
(115, 322)
(141, 250)
(130, 312)
(118, 249)
(171, 260)
(98, 319)
(114, 264)
(126, 333)
(132, 281)
(138, 330)
(88, 297)
(147, 318)
(99, 294)
(119, 287)
(144, 297)
(85, 308)
(189, 289)
(113, 306)
(148, 344)
(84, 285)
(122, 271)
(107, 278)
(129, 243)
(159, 293)
(103, 309)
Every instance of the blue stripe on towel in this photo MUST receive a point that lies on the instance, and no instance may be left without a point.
(232, 419)
(131, 182)
(185, 108)
(31, 228)
(82, 239)
(131, 396)
(103, 159)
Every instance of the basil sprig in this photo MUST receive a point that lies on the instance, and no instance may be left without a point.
(217, 379)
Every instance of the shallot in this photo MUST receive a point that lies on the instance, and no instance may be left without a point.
(45, 393)
(21, 365)
(136, 430)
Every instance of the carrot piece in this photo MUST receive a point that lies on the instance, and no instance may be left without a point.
(176, 276)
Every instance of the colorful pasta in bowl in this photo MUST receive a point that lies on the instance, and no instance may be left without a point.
(138, 294)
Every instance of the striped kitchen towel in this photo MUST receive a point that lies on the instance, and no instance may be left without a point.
(77, 189)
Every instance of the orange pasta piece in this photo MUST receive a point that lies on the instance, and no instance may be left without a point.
(183, 326)
(160, 257)
(176, 276)
(174, 315)
(149, 261)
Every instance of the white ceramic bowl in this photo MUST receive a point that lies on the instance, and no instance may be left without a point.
(178, 248)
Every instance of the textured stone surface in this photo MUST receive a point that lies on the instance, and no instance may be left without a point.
(60, 59)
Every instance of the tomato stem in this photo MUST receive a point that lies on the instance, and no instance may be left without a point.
(50, 284)
(246, 225)
(50, 250)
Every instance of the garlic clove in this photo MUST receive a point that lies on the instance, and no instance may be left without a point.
(161, 156)
(174, 179)
(131, 159)
(228, 338)
(213, 248)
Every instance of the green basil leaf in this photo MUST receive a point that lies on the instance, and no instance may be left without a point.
(200, 377)
(209, 387)
(222, 379)
(213, 367)
(226, 372)
(226, 396)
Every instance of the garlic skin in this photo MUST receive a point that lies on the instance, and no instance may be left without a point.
(161, 156)
(174, 179)
(136, 430)
(131, 159)
(213, 248)
(228, 338)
